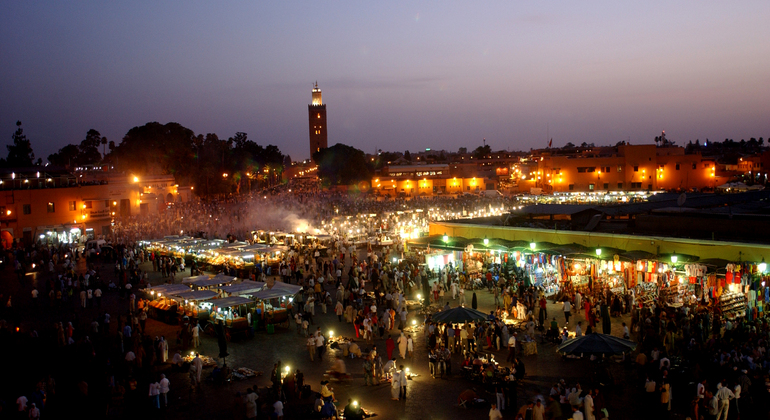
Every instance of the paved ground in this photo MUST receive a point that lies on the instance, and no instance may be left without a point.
(428, 398)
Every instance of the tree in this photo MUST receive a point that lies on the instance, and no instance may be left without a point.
(89, 148)
(66, 156)
(482, 152)
(104, 146)
(156, 148)
(20, 152)
(408, 156)
(342, 165)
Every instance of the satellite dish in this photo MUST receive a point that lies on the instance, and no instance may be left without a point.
(682, 198)
(595, 219)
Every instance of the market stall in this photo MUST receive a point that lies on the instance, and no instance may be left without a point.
(244, 288)
(234, 311)
(274, 304)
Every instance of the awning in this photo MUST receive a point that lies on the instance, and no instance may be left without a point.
(195, 295)
(231, 301)
(168, 289)
(195, 279)
(246, 287)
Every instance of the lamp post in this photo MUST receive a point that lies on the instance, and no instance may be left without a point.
(674, 258)
(598, 252)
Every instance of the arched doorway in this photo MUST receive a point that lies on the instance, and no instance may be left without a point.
(169, 198)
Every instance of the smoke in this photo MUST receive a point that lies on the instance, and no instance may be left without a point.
(272, 216)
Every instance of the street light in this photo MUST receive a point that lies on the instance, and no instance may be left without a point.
(598, 252)
(446, 238)
(674, 258)
(486, 241)
(532, 246)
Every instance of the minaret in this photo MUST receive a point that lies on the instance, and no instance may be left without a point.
(317, 122)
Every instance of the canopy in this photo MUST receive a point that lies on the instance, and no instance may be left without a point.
(196, 295)
(195, 279)
(246, 287)
(458, 315)
(214, 281)
(167, 289)
(596, 344)
(279, 289)
(231, 301)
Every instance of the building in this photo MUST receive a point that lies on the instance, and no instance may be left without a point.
(428, 180)
(317, 122)
(64, 207)
(623, 167)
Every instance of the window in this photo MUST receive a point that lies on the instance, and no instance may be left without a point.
(73, 205)
(620, 168)
(319, 115)
(606, 169)
(581, 170)
(695, 166)
(590, 187)
(620, 185)
(606, 186)
(586, 169)
(26, 209)
(636, 168)
(571, 187)
(649, 187)
(51, 208)
(636, 185)
(89, 204)
(677, 166)
(706, 165)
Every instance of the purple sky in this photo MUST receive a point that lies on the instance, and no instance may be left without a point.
(395, 75)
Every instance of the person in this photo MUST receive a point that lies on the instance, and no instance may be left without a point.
(326, 392)
(368, 371)
(278, 409)
(724, 395)
(538, 410)
(579, 332)
(155, 395)
(402, 345)
(494, 413)
(665, 389)
(311, 347)
(576, 414)
(390, 345)
(395, 385)
(319, 343)
(251, 404)
(164, 387)
(197, 366)
(511, 348)
(567, 307)
(588, 406)
(34, 412)
(403, 382)
(352, 411)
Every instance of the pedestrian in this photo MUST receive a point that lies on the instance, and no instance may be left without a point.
(567, 307)
(368, 371)
(402, 345)
(311, 347)
(251, 404)
(197, 365)
(403, 380)
(164, 388)
(395, 385)
(390, 345)
(155, 395)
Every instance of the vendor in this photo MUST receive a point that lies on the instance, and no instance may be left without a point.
(354, 349)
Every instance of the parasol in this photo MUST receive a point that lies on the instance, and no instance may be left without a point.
(459, 315)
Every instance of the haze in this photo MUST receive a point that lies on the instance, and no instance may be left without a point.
(395, 75)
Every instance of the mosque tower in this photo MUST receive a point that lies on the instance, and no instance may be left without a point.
(317, 122)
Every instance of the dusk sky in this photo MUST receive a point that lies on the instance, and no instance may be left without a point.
(394, 75)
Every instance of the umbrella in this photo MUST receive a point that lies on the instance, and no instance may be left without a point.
(458, 315)
(596, 344)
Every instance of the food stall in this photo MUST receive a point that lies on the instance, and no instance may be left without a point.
(206, 282)
(235, 314)
(162, 307)
(193, 303)
(274, 304)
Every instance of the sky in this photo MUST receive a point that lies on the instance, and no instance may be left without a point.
(395, 75)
